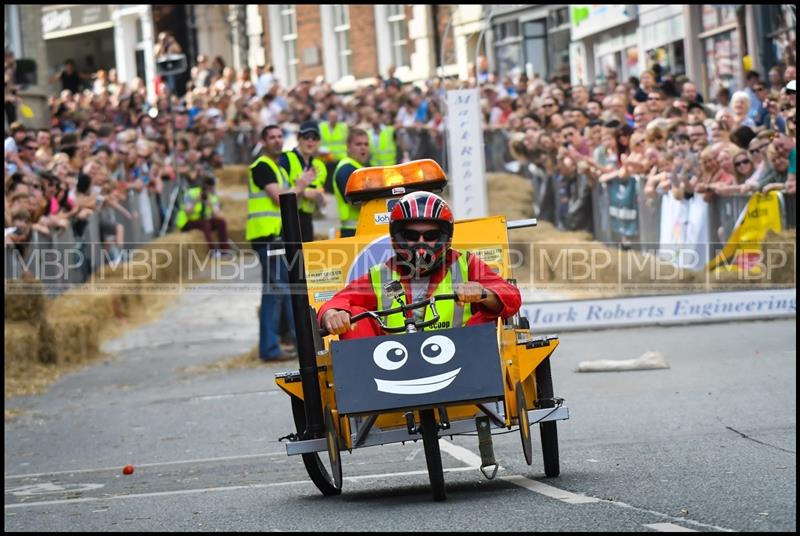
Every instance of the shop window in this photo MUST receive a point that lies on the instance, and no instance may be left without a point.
(716, 16)
(398, 34)
(722, 62)
(289, 38)
(341, 29)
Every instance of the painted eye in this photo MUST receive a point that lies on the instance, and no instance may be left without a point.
(438, 350)
(390, 355)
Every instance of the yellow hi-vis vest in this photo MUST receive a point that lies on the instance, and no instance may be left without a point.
(192, 197)
(336, 140)
(385, 152)
(296, 169)
(451, 315)
(264, 214)
(348, 214)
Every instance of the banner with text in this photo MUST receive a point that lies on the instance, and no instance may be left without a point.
(660, 310)
(466, 169)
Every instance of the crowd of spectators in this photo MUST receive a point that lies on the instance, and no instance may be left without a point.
(105, 137)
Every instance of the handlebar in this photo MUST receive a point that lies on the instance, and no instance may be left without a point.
(409, 325)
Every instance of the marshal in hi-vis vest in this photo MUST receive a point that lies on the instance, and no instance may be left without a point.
(385, 152)
(348, 214)
(336, 140)
(451, 315)
(296, 169)
(264, 214)
(192, 197)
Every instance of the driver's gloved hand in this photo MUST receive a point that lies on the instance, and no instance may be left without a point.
(336, 322)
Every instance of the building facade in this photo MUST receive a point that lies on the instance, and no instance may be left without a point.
(348, 45)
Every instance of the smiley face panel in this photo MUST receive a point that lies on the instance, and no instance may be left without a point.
(397, 371)
(392, 355)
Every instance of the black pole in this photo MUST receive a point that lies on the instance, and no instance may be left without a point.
(293, 246)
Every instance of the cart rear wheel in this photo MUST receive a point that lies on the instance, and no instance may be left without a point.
(433, 456)
(549, 433)
(314, 466)
(524, 424)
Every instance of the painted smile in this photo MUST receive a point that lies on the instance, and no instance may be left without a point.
(418, 386)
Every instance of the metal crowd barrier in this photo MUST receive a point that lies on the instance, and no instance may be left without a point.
(62, 258)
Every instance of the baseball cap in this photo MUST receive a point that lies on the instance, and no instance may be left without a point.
(309, 126)
(791, 85)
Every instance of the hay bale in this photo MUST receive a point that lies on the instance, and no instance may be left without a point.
(22, 342)
(232, 175)
(72, 339)
(510, 195)
(164, 260)
(24, 300)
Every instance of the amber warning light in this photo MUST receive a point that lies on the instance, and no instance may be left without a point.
(372, 182)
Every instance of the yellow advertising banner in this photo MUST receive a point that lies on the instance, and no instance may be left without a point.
(743, 249)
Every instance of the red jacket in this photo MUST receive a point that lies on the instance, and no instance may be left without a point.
(358, 295)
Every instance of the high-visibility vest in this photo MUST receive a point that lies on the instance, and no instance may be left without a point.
(296, 169)
(335, 141)
(348, 214)
(385, 152)
(192, 197)
(264, 214)
(451, 314)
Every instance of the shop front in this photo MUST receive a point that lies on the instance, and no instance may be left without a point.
(534, 41)
(721, 48)
(662, 33)
(82, 33)
(604, 40)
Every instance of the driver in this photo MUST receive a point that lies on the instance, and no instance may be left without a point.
(421, 230)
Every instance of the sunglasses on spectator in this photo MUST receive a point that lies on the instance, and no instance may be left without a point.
(758, 149)
(741, 162)
(548, 105)
(30, 147)
(429, 236)
(759, 88)
(309, 136)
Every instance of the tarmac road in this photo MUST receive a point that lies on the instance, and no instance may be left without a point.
(706, 445)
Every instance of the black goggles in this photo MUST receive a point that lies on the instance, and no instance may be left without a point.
(413, 236)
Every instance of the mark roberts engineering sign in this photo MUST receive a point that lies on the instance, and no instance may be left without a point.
(663, 310)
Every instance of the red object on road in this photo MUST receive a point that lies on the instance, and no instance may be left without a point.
(127, 470)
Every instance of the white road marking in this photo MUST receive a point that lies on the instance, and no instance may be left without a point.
(156, 464)
(668, 527)
(460, 453)
(549, 491)
(223, 488)
(470, 458)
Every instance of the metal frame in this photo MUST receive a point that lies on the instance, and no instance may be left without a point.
(382, 437)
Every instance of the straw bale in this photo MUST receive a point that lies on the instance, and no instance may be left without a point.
(510, 195)
(232, 175)
(24, 300)
(22, 342)
(235, 212)
(159, 261)
(71, 339)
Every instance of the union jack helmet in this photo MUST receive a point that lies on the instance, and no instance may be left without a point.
(421, 207)
(424, 207)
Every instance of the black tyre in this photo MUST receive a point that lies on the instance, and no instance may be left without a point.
(433, 456)
(549, 433)
(314, 466)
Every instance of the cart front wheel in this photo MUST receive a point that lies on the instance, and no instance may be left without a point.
(314, 466)
(433, 456)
